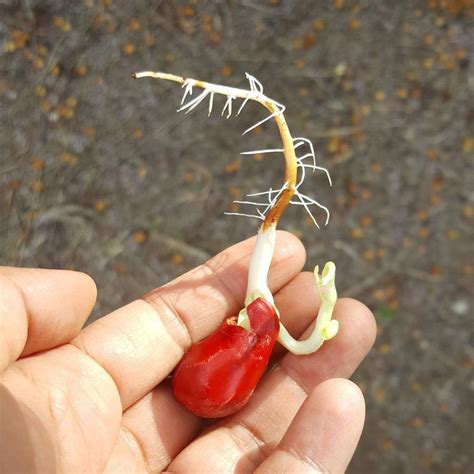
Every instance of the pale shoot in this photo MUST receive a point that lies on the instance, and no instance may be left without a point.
(325, 328)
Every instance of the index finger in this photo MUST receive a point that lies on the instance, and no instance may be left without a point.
(41, 309)
(139, 344)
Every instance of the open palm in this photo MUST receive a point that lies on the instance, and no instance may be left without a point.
(99, 399)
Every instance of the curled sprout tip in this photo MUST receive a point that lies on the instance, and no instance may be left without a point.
(325, 284)
(326, 327)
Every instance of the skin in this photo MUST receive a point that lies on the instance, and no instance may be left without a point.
(98, 399)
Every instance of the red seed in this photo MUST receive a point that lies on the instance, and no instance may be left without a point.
(217, 376)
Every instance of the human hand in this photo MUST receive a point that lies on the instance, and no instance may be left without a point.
(98, 399)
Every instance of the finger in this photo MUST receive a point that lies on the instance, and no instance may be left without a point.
(40, 309)
(159, 427)
(248, 437)
(140, 343)
(325, 432)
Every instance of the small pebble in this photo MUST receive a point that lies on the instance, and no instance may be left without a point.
(460, 307)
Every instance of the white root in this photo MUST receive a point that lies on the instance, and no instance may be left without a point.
(260, 216)
(258, 152)
(302, 199)
(192, 104)
(211, 103)
(228, 106)
(188, 90)
(274, 202)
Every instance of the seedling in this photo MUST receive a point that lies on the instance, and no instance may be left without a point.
(217, 375)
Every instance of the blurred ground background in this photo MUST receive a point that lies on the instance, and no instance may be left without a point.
(98, 173)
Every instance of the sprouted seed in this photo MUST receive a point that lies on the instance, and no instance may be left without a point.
(204, 394)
